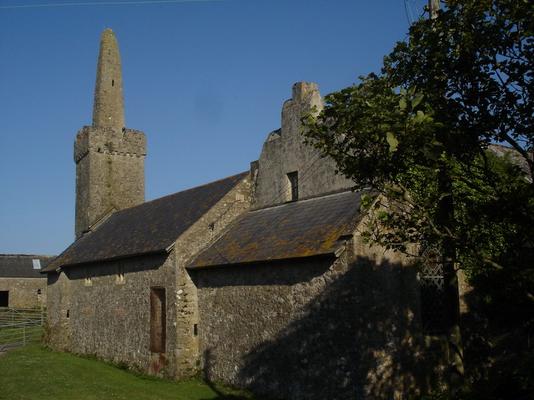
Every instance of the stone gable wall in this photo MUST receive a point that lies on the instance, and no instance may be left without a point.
(198, 237)
(284, 151)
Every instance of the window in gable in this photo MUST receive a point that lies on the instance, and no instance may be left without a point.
(293, 185)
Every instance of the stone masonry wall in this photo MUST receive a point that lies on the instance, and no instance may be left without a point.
(57, 332)
(25, 292)
(190, 243)
(111, 319)
(109, 173)
(284, 151)
(316, 328)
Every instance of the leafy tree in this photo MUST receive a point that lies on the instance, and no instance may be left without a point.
(418, 135)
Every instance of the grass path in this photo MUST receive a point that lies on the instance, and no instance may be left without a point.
(33, 372)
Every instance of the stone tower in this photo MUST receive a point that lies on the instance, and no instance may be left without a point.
(109, 157)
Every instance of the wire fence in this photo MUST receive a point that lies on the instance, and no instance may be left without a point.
(19, 327)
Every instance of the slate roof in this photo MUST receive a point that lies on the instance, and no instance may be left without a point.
(21, 265)
(292, 230)
(148, 228)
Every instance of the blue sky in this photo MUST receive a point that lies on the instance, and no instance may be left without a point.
(205, 80)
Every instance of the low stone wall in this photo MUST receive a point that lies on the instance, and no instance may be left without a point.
(25, 292)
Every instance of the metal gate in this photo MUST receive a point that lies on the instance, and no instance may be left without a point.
(19, 327)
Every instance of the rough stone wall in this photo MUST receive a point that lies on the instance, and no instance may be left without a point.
(284, 152)
(317, 328)
(110, 319)
(23, 292)
(109, 173)
(57, 332)
(189, 244)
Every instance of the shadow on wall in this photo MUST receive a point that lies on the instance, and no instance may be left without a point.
(207, 379)
(360, 338)
(498, 334)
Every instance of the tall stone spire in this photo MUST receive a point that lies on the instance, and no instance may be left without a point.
(108, 111)
(110, 172)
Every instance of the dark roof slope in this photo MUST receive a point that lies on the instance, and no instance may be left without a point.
(21, 265)
(148, 228)
(293, 230)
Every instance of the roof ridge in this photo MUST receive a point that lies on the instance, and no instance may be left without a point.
(304, 200)
(165, 218)
(181, 191)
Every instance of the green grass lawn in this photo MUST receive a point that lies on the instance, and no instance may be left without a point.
(33, 372)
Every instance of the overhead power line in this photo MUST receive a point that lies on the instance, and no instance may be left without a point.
(102, 3)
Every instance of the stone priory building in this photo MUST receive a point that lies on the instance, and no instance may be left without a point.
(260, 280)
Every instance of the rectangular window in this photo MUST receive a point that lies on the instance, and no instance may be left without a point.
(158, 320)
(4, 298)
(293, 178)
(36, 263)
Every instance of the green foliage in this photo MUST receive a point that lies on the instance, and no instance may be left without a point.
(460, 83)
(420, 136)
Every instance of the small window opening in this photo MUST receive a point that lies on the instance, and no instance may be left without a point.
(68, 313)
(113, 82)
(120, 275)
(293, 179)
(158, 319)
(88, 280)
(195, 330)
(38, 291)
(4, 298)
